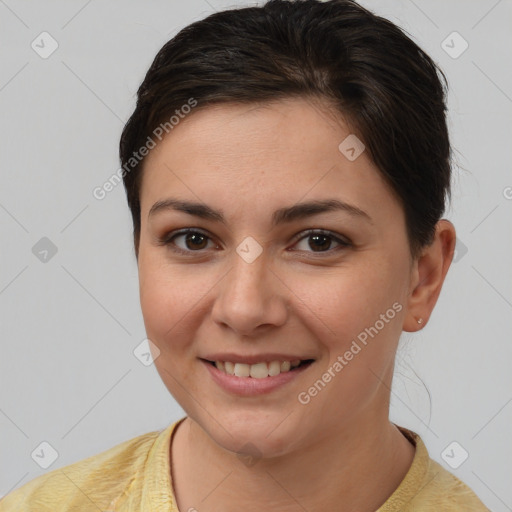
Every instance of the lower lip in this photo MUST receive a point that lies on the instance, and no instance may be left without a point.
(249, 386)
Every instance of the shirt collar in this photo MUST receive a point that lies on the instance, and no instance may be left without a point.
(157, 492)
(157, 489)
(414, 480)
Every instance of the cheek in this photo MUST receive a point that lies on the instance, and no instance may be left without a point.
(340, 305)
(163, 297)
(174, 299)
(170, 309)
(356, 317)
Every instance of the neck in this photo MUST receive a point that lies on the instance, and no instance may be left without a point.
(350, 469)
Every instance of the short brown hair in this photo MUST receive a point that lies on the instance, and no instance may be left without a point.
(372, 74)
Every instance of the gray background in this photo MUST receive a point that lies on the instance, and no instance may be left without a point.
(69, 324)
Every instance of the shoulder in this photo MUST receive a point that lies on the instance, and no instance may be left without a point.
(444, 491)
(428, 487)
(89, 484)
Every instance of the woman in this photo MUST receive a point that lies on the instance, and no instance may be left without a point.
(286, 168)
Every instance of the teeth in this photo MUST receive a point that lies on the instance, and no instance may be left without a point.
(258, 370)
(242, 370)
(274, 368)
(229, 368)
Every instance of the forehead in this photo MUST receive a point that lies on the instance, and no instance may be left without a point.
(276, 153)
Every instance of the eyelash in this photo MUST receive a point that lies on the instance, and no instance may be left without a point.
(168, 240)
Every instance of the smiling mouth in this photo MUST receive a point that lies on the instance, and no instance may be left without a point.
(259, 370)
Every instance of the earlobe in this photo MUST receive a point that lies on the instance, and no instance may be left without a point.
(427, 277)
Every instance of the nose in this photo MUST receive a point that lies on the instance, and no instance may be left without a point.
(251, 297)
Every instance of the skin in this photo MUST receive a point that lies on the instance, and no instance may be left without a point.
(299, 296)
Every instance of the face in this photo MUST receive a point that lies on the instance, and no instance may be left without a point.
(260, 277)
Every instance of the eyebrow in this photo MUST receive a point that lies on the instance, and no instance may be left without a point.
(283, 215)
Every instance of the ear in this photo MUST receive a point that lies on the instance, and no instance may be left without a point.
(427, 276)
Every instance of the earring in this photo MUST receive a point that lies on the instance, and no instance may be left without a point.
(420, 320)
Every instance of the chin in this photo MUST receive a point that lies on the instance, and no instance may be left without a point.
(254, 434)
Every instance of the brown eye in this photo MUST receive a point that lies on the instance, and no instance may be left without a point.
(189, 241)
(195, 240)
(321, 241)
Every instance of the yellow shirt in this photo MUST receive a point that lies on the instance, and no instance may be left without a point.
(135, 476)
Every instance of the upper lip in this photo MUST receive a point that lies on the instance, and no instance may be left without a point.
(253, 359)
